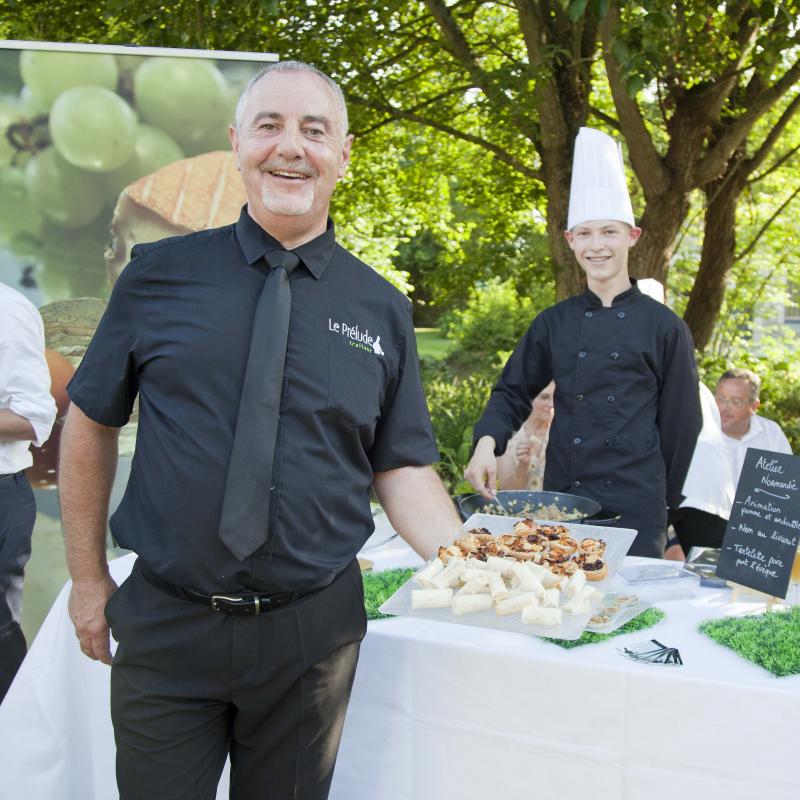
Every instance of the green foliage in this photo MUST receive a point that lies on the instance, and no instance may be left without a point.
(431, 343)
(455, 404)
(771, 640)
(380, 586)
(493, 321)
(648, 618)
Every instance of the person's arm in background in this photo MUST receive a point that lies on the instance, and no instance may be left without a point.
(14, 428)
(27, 409)
(88, 463)
(418, 507)
(513, 465)
(525, 374)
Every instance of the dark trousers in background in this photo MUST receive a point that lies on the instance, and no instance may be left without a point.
(17, 517)
(696, 528)
(189, 686)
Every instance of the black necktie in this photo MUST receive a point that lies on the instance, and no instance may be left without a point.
(245, 508)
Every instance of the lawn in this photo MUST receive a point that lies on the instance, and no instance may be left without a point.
(431, 343)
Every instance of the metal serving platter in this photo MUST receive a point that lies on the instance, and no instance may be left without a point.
(618, 541)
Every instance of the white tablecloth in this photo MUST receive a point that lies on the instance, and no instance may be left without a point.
(450, 711)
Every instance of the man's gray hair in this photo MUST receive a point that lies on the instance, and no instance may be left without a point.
(744, 375)
(287, 67)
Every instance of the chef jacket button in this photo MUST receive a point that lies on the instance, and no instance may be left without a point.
(611, 398)
(615, 355)
(578, 440)
(576, 484)
(582, 354)
(588, 314)
(579, 398)
(608, 441)
(621, 314)
(606, 484)
(272, 487)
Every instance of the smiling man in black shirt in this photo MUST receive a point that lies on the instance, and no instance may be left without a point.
(218, 653)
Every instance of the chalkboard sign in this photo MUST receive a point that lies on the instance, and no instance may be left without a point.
(762, 534)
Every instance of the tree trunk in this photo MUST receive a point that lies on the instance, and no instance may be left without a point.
(660, 224)
(556, 169)
(716, 260)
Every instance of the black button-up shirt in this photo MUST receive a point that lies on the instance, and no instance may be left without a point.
(627, 409)
(177, 334)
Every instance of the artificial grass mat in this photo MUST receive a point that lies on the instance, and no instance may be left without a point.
(771, 639)
(646, 619)
(380, 586)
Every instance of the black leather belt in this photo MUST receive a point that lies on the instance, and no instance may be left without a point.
(240, 605)
(9, 476)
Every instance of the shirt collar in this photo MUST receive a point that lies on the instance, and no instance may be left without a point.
(621, 299)
(256, 243)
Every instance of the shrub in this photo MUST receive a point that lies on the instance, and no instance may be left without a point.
(455, 404)
(492, 323)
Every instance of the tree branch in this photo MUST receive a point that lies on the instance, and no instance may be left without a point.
(461, 51)
(645, 160)
(757, 159)
(776, 165)
(713, 163)
(763, 229)
(497, 151)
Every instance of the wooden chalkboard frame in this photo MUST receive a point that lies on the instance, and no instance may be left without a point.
(764, 527)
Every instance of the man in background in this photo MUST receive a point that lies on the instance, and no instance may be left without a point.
(27, 413)
(737, 397)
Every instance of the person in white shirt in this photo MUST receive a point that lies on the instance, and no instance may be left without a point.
(737, 399)
(709, 488)
(27, 413)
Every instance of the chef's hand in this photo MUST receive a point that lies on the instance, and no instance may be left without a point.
(481, 471)
(87, 602)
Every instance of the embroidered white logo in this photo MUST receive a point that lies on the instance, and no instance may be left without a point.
(356, 337)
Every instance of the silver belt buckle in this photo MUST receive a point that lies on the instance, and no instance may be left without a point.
(236, 604)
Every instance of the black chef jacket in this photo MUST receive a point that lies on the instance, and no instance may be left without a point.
(627, 410)
(177, 333)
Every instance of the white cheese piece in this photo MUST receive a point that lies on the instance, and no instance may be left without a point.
(514, 604)
(424, 577)
(576, 582)
(470, 603)
(536, 615)
(505, 566)
(550, 598)
(431, 598)
(450, 576)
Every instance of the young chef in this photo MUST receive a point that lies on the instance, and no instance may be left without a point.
(627, 413)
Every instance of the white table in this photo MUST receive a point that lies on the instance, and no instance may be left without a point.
(452, 712)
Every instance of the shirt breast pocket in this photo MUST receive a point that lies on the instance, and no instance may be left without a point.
(356, 382)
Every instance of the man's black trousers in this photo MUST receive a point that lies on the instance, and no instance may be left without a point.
(17, 517)
(190, 685)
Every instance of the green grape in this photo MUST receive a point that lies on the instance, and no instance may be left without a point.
(93, 128)
(10, 112)
(152, 150)
(48, 73)
(32, 103)
(185, 97)
(65, 194)
(17, 214)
